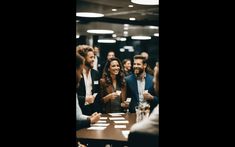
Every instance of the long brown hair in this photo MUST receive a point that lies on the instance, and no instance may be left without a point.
(119, 77)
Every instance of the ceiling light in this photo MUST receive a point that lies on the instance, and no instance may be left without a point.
(141, 37)
(125, 33)
(156, 34)
(122, 50)
(132, 18)
(89, 14)
(114, 35)
(77, 36)
(146, 2)
(153, 27)
(100, 31)
(130, 6)
(114, 9)
(107, 41)
(121, 39)
(126, 25)
(77, 20)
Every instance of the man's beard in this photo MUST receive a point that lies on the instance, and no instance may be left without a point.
(87, 64)
(138, 73)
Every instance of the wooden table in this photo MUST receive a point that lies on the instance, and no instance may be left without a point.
(108, 135)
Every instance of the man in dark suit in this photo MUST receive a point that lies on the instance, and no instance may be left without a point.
(140, 85)
(146, 132)
(88, 91)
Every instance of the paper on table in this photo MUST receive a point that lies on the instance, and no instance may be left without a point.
(103, 117)
(101, 121)
(120, 126)
(125, 133)
(96, 128)
(121, 122)
(116, 118)
(101, 125)
(116, 114)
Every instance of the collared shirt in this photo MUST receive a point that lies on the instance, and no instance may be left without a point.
(141, 87)
(88, 82)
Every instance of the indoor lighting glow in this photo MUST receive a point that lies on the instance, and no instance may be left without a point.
(114, 35)
(121, 39)
(100, 31)
(132, 18)
(156, 34)
(77, 36)
(146, 2)
(153, 27)
(126, 25)
(130, 6)
(89, 14)
(141, 37)
(114, 9)
(107, 41)
(122, 50)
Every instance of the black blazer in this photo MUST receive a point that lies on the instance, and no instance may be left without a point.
(132, 91)
(81, 92)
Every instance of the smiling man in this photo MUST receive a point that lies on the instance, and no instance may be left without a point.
(139, 85)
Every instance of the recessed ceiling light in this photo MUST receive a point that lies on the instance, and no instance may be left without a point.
(100, 31)
(125, 32)
(130, 6)
(140, 37)
(146, 2)
(114, 9)
(107, 41)
(89, 14)
(114, 35)
(126, 25)
(156, 34)
(132, 18)
(77, 36)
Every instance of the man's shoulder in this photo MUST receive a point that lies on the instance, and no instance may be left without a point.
(129, 77)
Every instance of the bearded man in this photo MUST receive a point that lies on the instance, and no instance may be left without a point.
(140, 85)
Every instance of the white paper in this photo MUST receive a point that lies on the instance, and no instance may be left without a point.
(101, 121)
(125, 133)
(120, 126)
(96, 128)
(121, 122)
(118, 92)
(116, 118)
(94, 94)
(116, 114)
(128, 100)
(100, 125)
(103, 118)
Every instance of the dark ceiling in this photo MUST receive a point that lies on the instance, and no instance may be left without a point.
(146, 16)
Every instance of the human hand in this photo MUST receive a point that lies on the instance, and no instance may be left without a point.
(95, 117)
(90, 99)
(147, 96)
(113, 95)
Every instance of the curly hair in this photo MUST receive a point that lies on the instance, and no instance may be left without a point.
(106, 73)
(83, 50)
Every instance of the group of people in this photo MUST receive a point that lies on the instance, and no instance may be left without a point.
(105, 88)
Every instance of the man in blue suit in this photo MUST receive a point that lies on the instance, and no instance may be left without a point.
(140, 85)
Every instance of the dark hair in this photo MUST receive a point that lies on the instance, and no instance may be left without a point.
(79, 61)
(120, 76)
(83, 50)
(125, 60)
(141, 57)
